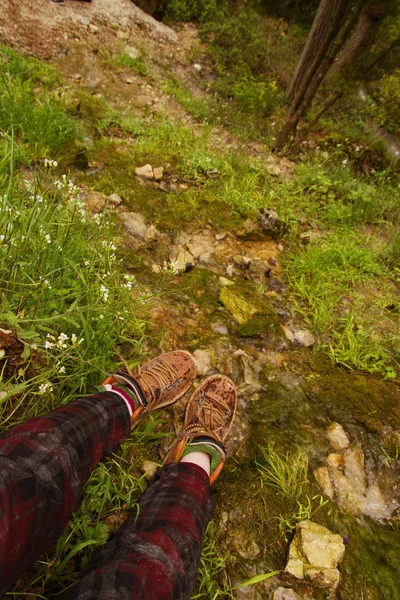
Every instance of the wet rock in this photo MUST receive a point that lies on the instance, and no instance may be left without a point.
(282, 593)
(303, 337)
(95, 201)
(114, 200)
(239, 308)
(146, 171)
(200, 243)
(158, 173)
(337, 437)
(203, 359)
(314, 554)
(149, 469)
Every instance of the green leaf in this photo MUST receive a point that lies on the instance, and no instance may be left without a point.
(257, 579)
(26, 353)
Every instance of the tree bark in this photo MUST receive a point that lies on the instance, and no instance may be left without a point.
(330, 19)
(361, 39)
(327, 22)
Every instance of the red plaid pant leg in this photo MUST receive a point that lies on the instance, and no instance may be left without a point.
(43, 465)
(155, 555)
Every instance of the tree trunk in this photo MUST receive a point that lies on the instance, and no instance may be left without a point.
(361, 39)
(330, 19)
(327, 22)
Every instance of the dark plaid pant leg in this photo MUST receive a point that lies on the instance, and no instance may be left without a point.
(156, 554)
(43, 465)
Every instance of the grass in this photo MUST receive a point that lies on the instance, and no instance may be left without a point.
(285, 472)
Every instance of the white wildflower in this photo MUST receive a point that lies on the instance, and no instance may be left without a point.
(49, 163)
(104, 293)
(74, 338)
(48, 238)
(45, 387)
(48, 345)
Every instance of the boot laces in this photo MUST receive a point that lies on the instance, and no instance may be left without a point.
(165, 376)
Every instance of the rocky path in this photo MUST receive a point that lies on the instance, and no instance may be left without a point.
(221, 293)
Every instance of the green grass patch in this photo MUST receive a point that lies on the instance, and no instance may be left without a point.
(39, 121)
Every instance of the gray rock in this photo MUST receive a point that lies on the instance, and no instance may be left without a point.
(282, 593)
(221, 329)
(203, 359)
(114, 200)
(303, 337)
(95, 201)
(146, 171)
(158, 173)
(134, 224)
(258, 269)
(149, 468)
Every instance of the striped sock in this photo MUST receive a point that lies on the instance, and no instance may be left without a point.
(123, 392)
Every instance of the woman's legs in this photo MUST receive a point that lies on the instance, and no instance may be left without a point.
(44, 464)
(156, 554)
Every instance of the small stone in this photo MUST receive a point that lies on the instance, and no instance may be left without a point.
(197, 67)
(314, 554)
(93, 28)
(303, 337)
(158, 173)
(134, 224)
(337, 437)
(324, 480)
(149, 469)
(241, 261)
(335, 460)
(258, 270)
(78, 76)
(122, 35)
(221, 236)
(180, 258)
(205, 258)
(221, 329)
(146, 171)
(129, 81)
(114, 200)
(151, 234)
(132, 52)
(156, 268)
(246, 548)
(229, 270)
(288, 333)
(95, 201)
(203, 360)
(282, 593)
(324, 578)
(224, 281)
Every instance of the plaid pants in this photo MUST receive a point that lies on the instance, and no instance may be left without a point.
(43, 465)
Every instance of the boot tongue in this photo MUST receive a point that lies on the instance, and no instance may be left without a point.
(133, 385)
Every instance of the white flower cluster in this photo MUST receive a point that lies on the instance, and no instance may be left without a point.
(61, 342)
(170, 267)
(129, 281)
(45, 387)
(49, 163)
(104, 291)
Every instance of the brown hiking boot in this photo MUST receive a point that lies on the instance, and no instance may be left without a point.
(158, 383)
(208, 420)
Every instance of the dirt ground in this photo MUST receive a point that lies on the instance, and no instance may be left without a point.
(40, 27)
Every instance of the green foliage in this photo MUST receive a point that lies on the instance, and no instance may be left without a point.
(257, 96)
(62, 291)
(191, 10)
(137, 64)
(37, 119)
(286, 472)
(387, 102)
(213, 562)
